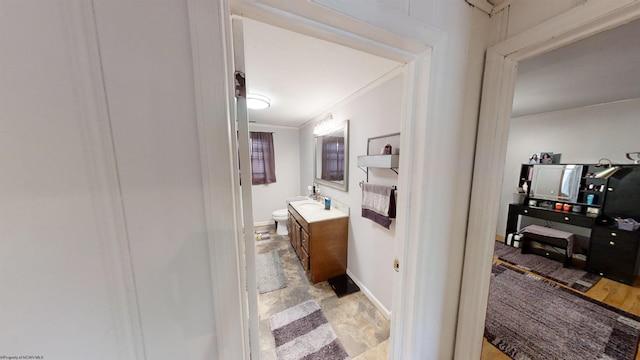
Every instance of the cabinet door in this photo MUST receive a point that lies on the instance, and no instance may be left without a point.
(613, 254)
(611, 263)
(623, 193)
(304, 242)
(304, 259)
(290, 222)
(297, 241)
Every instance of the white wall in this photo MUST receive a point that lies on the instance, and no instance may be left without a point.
(100, 187)
(270, 197)
(441, 162)
(146, 61)
(55, 284)
(582, 136)
(371, 247)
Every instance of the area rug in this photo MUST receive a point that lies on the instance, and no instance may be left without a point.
(578, 279)
(532, 318)
(262, 235)
(270, 275)
(302, 332)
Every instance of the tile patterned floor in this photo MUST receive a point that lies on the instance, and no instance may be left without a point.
(361, 328)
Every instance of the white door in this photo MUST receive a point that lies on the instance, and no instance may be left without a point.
(66, 288)
(242, 122)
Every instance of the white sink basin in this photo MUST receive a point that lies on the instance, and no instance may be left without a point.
(313, 211)
(311, 206)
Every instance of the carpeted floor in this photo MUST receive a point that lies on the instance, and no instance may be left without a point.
(531, 318)
(303, 332)
(578, 279)
(269, 272)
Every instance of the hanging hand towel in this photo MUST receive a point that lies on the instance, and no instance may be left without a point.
(378, 203)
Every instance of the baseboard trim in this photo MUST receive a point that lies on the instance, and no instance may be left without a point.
(385, 312)
(264, 223)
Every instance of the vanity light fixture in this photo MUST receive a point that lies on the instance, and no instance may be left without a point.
(608, 172)
(258, 102)
(325, 126)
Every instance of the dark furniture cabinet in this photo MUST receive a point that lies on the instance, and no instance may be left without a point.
(576, 219)
(613, 253)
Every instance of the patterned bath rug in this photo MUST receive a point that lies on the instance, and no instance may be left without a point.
(529, 317)
(262, 235)
(270, 275)
(303, 332)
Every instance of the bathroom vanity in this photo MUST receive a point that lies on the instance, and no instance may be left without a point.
(319, 239)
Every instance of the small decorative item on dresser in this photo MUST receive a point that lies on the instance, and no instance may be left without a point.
(593, 210)
(628, 224)
(387, 149)
(516, 240)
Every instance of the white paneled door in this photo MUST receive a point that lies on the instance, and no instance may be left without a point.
(65, 273)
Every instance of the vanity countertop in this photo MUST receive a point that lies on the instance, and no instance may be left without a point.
(313, 211)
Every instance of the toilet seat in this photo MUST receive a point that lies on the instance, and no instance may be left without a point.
(281, 214)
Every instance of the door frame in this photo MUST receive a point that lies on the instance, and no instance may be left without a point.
(501, 64)
(210, 23)
(422, 48)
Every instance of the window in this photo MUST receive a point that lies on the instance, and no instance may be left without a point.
(263, 165)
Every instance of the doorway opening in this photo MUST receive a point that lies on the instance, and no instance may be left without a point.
(404, 81)
(297, 72)
(495, 114)
(573, 93)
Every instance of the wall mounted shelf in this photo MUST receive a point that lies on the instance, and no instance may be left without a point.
(382, 161)
(379, 161)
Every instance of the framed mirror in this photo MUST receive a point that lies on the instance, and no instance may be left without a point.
(331, 157)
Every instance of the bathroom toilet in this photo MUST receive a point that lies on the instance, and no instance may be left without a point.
(281, 216)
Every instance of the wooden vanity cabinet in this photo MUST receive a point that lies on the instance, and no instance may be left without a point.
(321, 246)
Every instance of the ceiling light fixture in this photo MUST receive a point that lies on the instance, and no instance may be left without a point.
(258, 102)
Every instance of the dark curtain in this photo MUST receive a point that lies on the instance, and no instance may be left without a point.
(263, 163)
(332, 158)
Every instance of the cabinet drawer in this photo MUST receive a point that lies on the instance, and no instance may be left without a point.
(606, 232)
(569, 218)
(552, 215)
(613, 243)
(614, 238)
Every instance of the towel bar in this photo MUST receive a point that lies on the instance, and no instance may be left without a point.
(394, 187)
